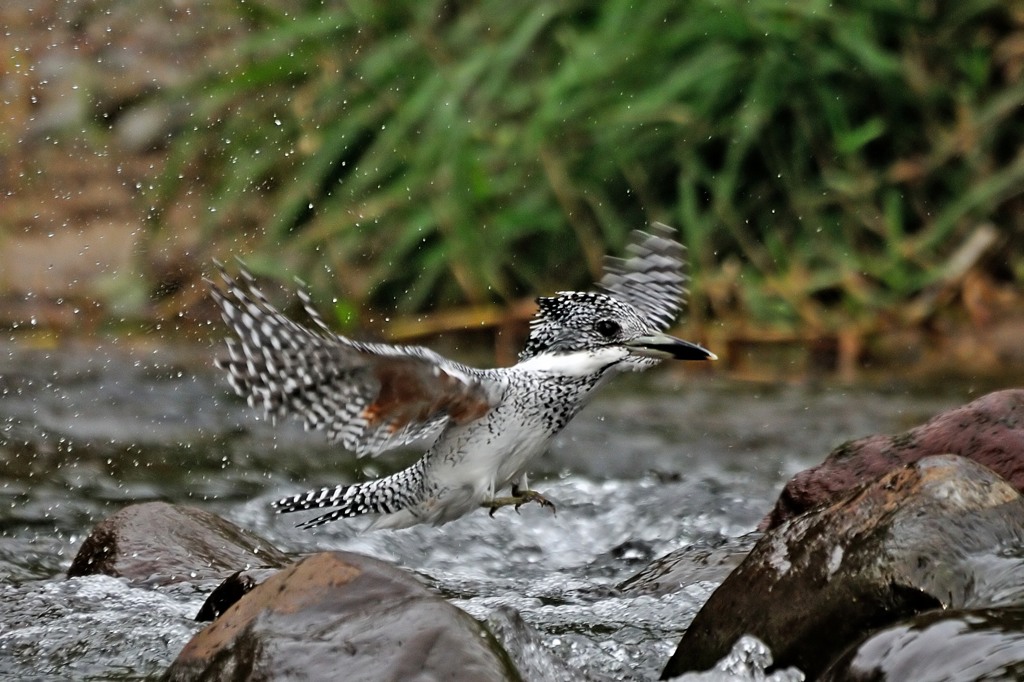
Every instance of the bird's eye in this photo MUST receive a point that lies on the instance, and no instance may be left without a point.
(607, 328)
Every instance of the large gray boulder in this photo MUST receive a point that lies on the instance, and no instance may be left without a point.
(944, 532)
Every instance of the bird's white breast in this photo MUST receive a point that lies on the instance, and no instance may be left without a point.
(489, 453)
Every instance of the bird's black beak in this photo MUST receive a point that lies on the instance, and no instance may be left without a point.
(663, 347)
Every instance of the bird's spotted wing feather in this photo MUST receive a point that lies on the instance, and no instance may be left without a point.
(652, 277)
(369, 397)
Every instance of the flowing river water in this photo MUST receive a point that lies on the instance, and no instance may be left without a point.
(658, 462)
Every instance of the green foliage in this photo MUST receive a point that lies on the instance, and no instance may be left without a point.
(415, 153)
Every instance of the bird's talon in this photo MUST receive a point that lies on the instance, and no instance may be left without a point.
(534, 496)
(517, 500)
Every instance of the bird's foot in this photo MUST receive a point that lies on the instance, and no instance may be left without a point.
(517, 499)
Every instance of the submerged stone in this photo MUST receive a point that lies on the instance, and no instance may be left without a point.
(338, 615)
(234, 587)
(159, 543)
(685, 566)
(962, 645)
(989, 430)
(944, 532)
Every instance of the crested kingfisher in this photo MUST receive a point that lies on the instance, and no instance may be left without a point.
(484, 426)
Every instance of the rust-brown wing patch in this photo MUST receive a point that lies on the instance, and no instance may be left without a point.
(412, 391)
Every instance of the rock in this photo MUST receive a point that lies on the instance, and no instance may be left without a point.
(962, 645)
(688, 565)
(234, 587)
(944, 532)
(338, 615)
(989, 430)
(159, 543)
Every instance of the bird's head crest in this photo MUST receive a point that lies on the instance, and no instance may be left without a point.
(573, 321)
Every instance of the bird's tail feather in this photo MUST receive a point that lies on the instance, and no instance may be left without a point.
(382, 496)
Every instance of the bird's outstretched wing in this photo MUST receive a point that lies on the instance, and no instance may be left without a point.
(370, 397)
(652, 277)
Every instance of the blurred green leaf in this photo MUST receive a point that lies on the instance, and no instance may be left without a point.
(398, 150)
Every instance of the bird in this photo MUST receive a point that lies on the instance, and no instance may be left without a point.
(484, 426)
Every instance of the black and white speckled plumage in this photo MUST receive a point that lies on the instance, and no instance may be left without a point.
(331, 381)
(486, 425)
(652, 278)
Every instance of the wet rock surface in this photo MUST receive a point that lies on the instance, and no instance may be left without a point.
(944, 532)
(960, 645)
(696, 562)
(158, 543)
(342, 614)
(234, 587)
(989, 430)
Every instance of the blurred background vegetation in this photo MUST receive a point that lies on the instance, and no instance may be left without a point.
(832, 166)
